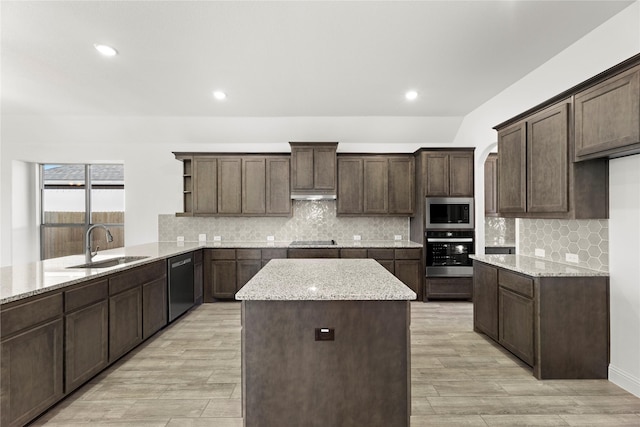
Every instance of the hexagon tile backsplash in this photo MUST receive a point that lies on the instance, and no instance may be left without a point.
(589, 239)
(311, 220)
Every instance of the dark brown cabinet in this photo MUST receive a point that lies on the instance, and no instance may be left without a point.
(491, 185)
(205, 185)
(154, 307)
(607, 117)
(448, 288)
(385, 257)
(313, 168)
(449, 174)
(542, 321)
(536, 178)
(220, 274)
(254, 194)
(278, 194)
(376, 185)
(273, 253)
(198, 276)
(32, 358)
(86, 333)
(248, 263)
(125, 322)
(229, 186)
(313, 253)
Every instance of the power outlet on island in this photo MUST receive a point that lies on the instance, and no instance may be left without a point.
(572, 258)
(540, 252)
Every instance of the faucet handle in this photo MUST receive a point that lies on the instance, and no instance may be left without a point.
(96, 252)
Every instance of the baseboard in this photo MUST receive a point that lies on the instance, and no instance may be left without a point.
(624, 380)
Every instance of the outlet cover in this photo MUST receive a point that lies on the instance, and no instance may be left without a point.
(572, 258)
(540, 252)
(271, 238)
(181, 239)
(357, 237)
(217, 238)
(202, 237)
(397, 237)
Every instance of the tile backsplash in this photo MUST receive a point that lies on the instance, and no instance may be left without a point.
(589, 239)
(311, 220)
(500, 231)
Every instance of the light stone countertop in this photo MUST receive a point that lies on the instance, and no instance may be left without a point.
(22, 281)
(537, 267)
(324, 279)
(500, 245)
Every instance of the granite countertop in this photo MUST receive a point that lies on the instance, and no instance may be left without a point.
(22, 281)
(324, 279)
(537, 267)
(500, 244)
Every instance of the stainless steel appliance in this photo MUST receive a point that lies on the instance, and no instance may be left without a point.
(447, 253)
(181, 292)
(449, 213)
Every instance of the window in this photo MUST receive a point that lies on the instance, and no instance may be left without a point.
(74, 197)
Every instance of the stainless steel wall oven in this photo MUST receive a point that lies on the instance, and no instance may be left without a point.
(447, 253)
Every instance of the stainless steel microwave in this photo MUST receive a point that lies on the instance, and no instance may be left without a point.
(449, 212)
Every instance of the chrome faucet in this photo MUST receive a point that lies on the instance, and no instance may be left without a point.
(88, 255)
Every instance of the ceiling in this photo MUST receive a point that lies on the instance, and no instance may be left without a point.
(292, 58)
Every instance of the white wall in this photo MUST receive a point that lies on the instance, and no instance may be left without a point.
(624, 253)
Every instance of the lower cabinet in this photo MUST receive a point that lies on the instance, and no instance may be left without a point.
(154, 307)
(448, 287)
(125, 322)
(248, 263)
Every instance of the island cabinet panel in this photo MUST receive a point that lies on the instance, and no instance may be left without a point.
(290, 378)
(350, 185)
(32, 358)
(491, 185)
(229, 185)
(205, 188)
(154, 306)
(86, 332)
(254, 186)
(278, 193)
(485, 299)
(607, 117)
(516, 325)
(376, 185)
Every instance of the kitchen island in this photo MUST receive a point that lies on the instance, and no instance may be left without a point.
(325, 342)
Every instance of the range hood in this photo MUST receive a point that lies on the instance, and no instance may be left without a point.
(302, 196)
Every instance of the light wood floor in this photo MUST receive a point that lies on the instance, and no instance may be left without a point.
(189, 375)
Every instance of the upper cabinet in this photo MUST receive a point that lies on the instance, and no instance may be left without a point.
(491, 185)
(376, 185)
(607, 117)
(536, 178)
(229, 185)
(313, 168)
(449, 174)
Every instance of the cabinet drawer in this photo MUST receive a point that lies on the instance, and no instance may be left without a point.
(137, 276)
(314, 253)
(353, 253)
(31, 313)
(517, 283)
(381, 253)
(455, 287)
(248, 254)
(409, 253)
(269, 254)
(217, 254)
(85, 295)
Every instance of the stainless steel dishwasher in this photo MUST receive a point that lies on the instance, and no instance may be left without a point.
(181, 297)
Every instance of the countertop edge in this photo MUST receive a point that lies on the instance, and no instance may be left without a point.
(537, 267)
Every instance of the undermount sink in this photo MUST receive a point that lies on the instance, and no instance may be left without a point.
(111, 262)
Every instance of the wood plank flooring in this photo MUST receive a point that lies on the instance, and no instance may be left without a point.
(189, 375)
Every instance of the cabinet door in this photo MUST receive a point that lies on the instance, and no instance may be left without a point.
(512, 164)
(198, 280)
(229, 186)
(154, 307)
(485, 299)
(31, 373)
(277, 187)
(516, 325)
(607, 115)
(350, 185)
(411, 274)
(125, 322)
(86, 343)
(324, 168)
(547, 151)
(491, 185)
(448, 287)
(461, 174)
(301, 168)
(402, 185)
(376, 186)
(247, 268)
(437, 165)
(205, 187)
(223, 279)
(253, 186)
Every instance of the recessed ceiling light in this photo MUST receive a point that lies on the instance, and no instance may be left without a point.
(411, 95)
(105, 50)
(219, 95)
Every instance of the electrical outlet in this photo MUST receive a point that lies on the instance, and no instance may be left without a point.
(202, 237)
(217, 238)
(572, 258)
(356, 237)
(397, 237)
(181, 239)
(540, 252)
(271, 238)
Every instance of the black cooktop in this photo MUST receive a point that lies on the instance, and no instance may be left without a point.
(313, 243)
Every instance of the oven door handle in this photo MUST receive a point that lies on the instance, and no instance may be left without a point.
(454, 240)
